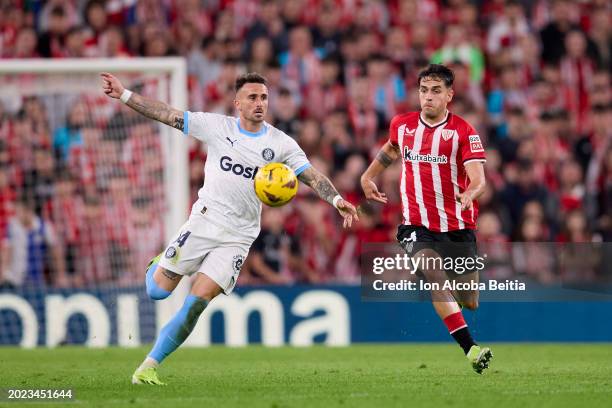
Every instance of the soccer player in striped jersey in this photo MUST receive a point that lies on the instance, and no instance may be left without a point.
(442, 176)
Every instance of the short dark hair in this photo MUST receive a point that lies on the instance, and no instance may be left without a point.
(58, 11)
(515, 111)
(597, 108)
(438, 71)
(250, 78)
(207, 41)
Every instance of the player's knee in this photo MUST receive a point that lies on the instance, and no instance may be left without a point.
(205, 288)
(157, 293)
(471, 304)
(154, 291)
(207, 291)
(206, 294)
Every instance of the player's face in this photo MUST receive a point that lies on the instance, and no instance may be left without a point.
(252, 102)
(434, 96)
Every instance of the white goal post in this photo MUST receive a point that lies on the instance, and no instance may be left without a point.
(175, 147)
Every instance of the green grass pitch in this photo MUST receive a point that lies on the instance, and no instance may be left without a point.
(522, 375)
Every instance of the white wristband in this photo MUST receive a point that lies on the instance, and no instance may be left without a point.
(336, 199)
(126, 95)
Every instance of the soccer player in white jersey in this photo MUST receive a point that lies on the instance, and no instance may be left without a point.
(224, 221)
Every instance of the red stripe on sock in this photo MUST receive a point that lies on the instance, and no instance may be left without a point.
(454, 322)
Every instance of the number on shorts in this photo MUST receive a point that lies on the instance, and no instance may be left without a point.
(182, 238)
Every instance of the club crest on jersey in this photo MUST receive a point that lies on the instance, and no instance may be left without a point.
(447, 134)
(267, 154)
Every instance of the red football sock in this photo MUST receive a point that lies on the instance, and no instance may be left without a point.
(459, 330)
(454, 322)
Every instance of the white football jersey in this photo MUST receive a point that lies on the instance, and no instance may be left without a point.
(234, 156)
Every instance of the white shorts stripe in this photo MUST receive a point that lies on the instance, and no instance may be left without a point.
(437, 181)
(418, 188)
(453, 163)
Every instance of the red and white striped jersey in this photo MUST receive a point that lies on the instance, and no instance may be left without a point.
(433, 170)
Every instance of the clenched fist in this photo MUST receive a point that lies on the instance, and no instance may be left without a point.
(111, 86)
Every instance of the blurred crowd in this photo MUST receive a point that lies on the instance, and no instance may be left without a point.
(79, 202)
(532, 76)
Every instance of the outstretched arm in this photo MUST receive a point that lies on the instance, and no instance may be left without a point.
(387, 155)
(326, 190)
(150, 108)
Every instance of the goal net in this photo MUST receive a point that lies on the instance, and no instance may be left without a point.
(90, 191)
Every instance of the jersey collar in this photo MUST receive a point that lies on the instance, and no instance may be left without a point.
(443, 121)
(259, 133)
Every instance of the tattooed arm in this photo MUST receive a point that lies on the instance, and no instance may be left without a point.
(319, 183)
(326, 190)
(150, 108)
(157, 110)
(387, 155)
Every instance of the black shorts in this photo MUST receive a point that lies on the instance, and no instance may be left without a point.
(451, 244)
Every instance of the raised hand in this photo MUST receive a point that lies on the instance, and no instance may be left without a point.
(111, 85)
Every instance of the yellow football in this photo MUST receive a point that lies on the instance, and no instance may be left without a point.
(275, 184)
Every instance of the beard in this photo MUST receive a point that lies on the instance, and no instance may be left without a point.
(255, 118)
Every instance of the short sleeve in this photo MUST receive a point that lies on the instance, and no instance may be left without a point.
(202, 125)
(295, 157)
(470, 146)
(393, 131)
